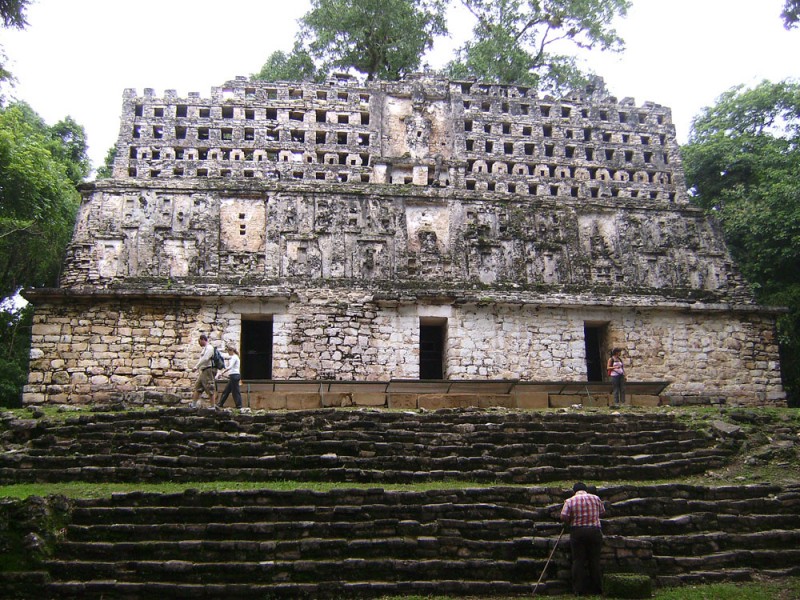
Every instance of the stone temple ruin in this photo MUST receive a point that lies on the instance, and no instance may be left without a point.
(430, 232)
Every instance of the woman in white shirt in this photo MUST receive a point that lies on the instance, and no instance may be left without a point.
(234, 377)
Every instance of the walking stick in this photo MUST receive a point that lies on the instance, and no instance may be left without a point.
(553, 551)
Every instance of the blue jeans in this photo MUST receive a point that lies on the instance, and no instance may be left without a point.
(618, 388)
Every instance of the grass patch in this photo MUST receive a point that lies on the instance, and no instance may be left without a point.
(783, 589)
(78, 489)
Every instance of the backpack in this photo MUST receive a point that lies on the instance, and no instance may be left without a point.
(217, 361)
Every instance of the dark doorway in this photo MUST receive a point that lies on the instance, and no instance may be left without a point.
(593, 337)
(431, 349)
(256, 350)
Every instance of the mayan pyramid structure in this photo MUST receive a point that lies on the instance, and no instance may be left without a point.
(425, 230)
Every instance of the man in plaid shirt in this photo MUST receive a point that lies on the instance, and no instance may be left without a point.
(582, 513)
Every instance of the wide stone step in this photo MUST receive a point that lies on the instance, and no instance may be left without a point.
(698, 522)
(410, 459)
(189, 468)
(486, 530)
(710, 542)
(245, 447)
(390, 439)
(671, 507)
(217, 514)
(667, 491)
(701, 577)
(118, 590)
(448, 546)
(731, 559)
(444, 431)
(298, 571)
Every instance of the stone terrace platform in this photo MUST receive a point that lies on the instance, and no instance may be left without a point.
(438, 394)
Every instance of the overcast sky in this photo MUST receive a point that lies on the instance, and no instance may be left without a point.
(76, 58)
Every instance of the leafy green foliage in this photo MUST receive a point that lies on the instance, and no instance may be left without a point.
(15, 344)
(743, 165)
(106, 171)
(39, 169)
(791, 13)
(514, 40)
(12, 14)
(384, 39)
(294, 66)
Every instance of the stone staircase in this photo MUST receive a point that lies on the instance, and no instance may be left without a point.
(701, 535)
(368, 542)
(365, 543)
(355, 446)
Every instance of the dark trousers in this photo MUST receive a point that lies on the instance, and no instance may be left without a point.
(232, 387)
(586, 543)
(618, 388)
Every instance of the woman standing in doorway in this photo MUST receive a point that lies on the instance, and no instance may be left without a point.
(234, 377)
(616, 370)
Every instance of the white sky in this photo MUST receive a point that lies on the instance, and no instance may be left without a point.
(76, 58)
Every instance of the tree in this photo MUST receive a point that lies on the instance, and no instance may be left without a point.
(15, 347)
(742, 163)
(384, 39)
(514, 41)
(295, 66)
(12, 13)
(791, 13)
(39, 169)
(106, 171)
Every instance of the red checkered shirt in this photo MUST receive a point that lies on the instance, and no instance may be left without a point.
(583, 510)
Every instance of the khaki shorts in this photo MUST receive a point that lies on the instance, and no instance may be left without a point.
(205, 382)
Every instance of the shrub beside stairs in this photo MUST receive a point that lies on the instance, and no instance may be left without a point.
(366, 542)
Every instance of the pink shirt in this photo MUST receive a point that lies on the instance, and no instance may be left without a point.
(583, 510)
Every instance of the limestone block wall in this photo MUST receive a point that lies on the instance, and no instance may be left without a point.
(124, 350)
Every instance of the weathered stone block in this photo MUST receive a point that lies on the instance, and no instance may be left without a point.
(565, 400)
(369, 399)
(496, 400)
(402, 401)
(595, 400)
(644, 400)
(335, 399)
(532, 399)
(45, 329)
(438, 401)
(302, 401)
(261, 400)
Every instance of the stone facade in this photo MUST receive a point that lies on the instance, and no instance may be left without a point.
(384, 230)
